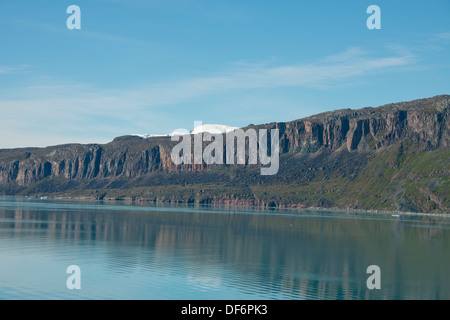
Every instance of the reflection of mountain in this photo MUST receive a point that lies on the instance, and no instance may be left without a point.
(291, 256)
(394, 157)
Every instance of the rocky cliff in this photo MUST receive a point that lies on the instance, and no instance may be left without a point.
(424, 122)
(319, 154)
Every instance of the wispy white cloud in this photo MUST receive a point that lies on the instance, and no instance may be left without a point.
(443, 36)
(14, 69)
(330, 71)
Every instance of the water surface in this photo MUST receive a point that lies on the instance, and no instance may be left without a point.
(132, 251)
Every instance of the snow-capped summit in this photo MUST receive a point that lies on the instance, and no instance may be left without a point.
(213, 128)
(146, 136)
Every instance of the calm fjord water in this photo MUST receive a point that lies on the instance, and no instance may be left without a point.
(128, 251)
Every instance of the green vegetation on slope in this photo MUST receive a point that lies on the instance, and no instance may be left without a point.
(395, 178)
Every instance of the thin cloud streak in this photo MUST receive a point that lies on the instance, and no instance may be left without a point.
(330, 71)
(14, 69)
(443, 36)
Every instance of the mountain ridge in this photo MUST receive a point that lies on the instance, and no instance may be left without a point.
(326, 160)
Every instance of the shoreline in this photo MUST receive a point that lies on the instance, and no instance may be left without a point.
(237, 205)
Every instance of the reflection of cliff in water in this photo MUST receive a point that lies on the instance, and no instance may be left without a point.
(298, 255)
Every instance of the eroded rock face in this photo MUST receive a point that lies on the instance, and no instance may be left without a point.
(422, 122)
(83, 162)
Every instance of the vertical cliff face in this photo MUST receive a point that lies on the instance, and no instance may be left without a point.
(84, 162)
(422, 123)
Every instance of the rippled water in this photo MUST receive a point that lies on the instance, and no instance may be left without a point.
(131, 251)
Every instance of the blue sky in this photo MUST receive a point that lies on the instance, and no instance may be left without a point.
(143, 66)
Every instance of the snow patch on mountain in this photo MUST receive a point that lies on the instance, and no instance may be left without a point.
(146, 136)
(211, 128)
